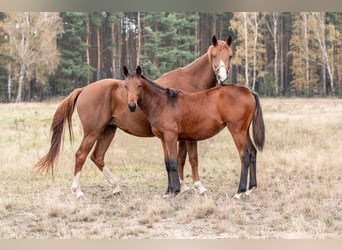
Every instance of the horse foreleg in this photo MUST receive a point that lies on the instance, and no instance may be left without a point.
(87, 143)
(170, 156)
(102, 145)
(191, 147)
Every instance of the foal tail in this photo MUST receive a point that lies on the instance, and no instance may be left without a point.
(63, 113)
(258, 125)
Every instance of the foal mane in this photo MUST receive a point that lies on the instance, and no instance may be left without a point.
(170, 92)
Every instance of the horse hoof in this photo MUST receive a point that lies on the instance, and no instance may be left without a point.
(79, 194)
(199, 187)
(117, 191)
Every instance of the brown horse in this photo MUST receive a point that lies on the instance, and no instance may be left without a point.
(176, 115)
(102, 108)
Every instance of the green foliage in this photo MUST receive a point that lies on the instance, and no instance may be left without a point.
(169, 41)
(72, 70)
(268, 85)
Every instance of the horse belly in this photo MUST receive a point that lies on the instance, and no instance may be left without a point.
(134, 123)
(200, 130)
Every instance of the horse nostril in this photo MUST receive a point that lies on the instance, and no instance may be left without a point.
(132, 106)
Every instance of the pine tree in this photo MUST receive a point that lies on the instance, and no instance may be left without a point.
(73, 70)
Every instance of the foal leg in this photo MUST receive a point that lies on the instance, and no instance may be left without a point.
(252, 171)
(170, 156)
(182, 151)
(102, 145)
(191, 147)
(87, 143)
(240, 139)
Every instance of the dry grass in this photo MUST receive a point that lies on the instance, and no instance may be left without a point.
(298, 196)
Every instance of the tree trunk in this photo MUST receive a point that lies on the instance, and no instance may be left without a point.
(87, 42)
(246, 48)
(113, 50)
(255, 40)
(9, 85)
(139, 40)
(20, 83)
(98, 42)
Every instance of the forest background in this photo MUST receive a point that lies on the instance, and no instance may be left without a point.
(45, 55)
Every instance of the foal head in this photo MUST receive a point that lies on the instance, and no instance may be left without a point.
(220, 55)
(132, 85)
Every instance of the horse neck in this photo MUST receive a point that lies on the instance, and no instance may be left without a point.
(194, 77)
(152, 98)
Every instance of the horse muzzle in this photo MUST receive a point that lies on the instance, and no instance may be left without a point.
(132, 106)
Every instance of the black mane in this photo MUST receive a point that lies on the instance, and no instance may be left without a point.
(170, 92)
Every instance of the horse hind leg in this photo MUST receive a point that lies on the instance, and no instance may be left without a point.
(193, 159)
(86, 145)
(181, 162)
(102, 145)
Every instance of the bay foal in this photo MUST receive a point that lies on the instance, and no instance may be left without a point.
(175, 115)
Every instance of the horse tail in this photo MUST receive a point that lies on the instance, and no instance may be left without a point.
(62, 115)
(258, 125)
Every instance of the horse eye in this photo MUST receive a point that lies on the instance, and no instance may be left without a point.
(214, 56)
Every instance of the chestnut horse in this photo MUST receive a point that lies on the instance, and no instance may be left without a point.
(176, 115)
(102, 108)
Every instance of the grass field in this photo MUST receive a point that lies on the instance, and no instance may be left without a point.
(299, 175)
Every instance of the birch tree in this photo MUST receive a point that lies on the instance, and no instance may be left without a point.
(272, 26)
(33, 49)
(327, 37)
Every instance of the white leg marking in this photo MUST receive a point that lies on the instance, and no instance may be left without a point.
(238, 196)
(248, 192)
(199, 187)
(75, 187)
(112, 180)
(184, 187)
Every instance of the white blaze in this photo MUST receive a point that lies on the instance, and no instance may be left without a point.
(222, 74)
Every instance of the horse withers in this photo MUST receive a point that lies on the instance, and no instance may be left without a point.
(177, 115)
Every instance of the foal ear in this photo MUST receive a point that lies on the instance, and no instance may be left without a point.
(138, 71)
(229, 40)
(125, 71)
(214, 40)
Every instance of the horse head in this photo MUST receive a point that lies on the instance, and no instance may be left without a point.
(220, 55)
(132, 85)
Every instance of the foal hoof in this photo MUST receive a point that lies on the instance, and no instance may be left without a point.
(183, 187)
(168, 194)
(237, 196)
(248, 192)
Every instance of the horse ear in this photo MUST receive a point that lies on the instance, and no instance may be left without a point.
(214, 40)
(125, 71)
(138, 71)
(229, 40)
